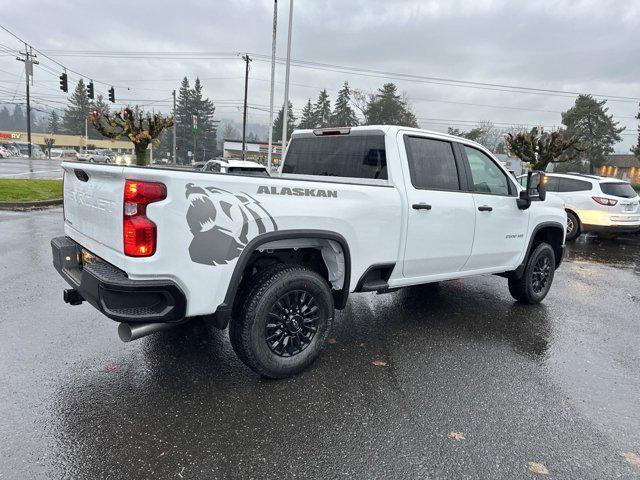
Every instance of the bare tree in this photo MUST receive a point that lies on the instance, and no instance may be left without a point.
(140, 128)
(540, 148)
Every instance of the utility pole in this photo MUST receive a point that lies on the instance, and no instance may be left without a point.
(246, 59)
(174, 128)
(273, 73)
(285, 108)
(29, 62)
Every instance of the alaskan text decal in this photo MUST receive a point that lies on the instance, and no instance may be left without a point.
(297, 192)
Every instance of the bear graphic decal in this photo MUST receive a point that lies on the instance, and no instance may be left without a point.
(222, 223)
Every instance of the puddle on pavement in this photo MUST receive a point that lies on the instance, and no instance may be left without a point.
(622, 251)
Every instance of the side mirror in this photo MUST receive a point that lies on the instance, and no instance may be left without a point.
(535, 190)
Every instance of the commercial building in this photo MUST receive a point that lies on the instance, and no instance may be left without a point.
(256, 151)
(625, 166)
(76, 142)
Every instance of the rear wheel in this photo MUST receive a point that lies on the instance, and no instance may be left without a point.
(537, 278)
(573, 226)
(283, 321)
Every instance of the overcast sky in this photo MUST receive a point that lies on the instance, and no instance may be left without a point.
(578, 46)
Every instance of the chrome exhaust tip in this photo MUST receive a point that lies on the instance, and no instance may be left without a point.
(133, 331)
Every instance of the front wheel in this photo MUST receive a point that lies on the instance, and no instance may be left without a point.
(537, 278)
(283, 321)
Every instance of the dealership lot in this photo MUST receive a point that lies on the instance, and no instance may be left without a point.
(452, 382)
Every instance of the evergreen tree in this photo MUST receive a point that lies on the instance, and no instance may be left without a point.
(343, 115)
(387, 107)
(596, 131)
(5, 119)
(277, 124)
(322, 110)
(201, 140)
(308, 119)
(18, 119)
(77, 111)
(636, 149)
(206, 132)
(53, 125)
(183, 119)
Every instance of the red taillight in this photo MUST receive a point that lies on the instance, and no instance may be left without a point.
(138, 232)
(609, 202)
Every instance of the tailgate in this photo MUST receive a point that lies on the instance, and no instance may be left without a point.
(93, 201)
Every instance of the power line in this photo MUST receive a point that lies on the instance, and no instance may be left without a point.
(51, 59)
(343, 69)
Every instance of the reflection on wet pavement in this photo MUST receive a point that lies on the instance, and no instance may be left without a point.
(555, 383)
(619, 251)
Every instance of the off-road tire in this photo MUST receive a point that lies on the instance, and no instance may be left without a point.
(572, 219)
(525, 288)
(247, 330)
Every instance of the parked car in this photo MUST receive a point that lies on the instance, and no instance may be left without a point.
(4, 152)
(595, 204)
(11, 148)
(357, 209)
(94, 156)
(125, 159)
(238, 167)
(60, 153)
(23, 149)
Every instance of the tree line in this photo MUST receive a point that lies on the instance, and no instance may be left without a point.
(385, 106)
(584, 141)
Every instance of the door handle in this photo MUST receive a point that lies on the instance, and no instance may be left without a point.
(421, 206)
(485, 208)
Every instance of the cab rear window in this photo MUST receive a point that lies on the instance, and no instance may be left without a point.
(351, 156)
(618, 189)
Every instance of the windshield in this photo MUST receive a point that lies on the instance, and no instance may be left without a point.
(618, 189)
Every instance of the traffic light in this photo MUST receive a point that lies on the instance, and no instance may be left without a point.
(112, 95)
(90, 90)
(95, 113)
(64, 86)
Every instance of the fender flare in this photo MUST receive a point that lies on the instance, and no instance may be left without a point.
(222, 314)
(520, 270)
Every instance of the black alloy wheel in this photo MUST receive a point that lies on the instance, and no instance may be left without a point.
(540, 274)
(292, 323)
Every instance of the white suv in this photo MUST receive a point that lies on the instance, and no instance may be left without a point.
(595, 204)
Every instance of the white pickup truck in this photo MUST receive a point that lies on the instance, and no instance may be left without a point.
(357, 209)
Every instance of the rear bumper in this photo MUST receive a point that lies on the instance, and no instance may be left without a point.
(605, 221)
(110, 290)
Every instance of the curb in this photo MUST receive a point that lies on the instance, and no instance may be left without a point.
(30, 205)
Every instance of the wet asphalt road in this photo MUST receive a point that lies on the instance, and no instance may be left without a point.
(556, 384)
(29, 168)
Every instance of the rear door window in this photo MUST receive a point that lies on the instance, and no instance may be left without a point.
(351, 156)
(618, 189)
(432, 164)
(573, 185)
